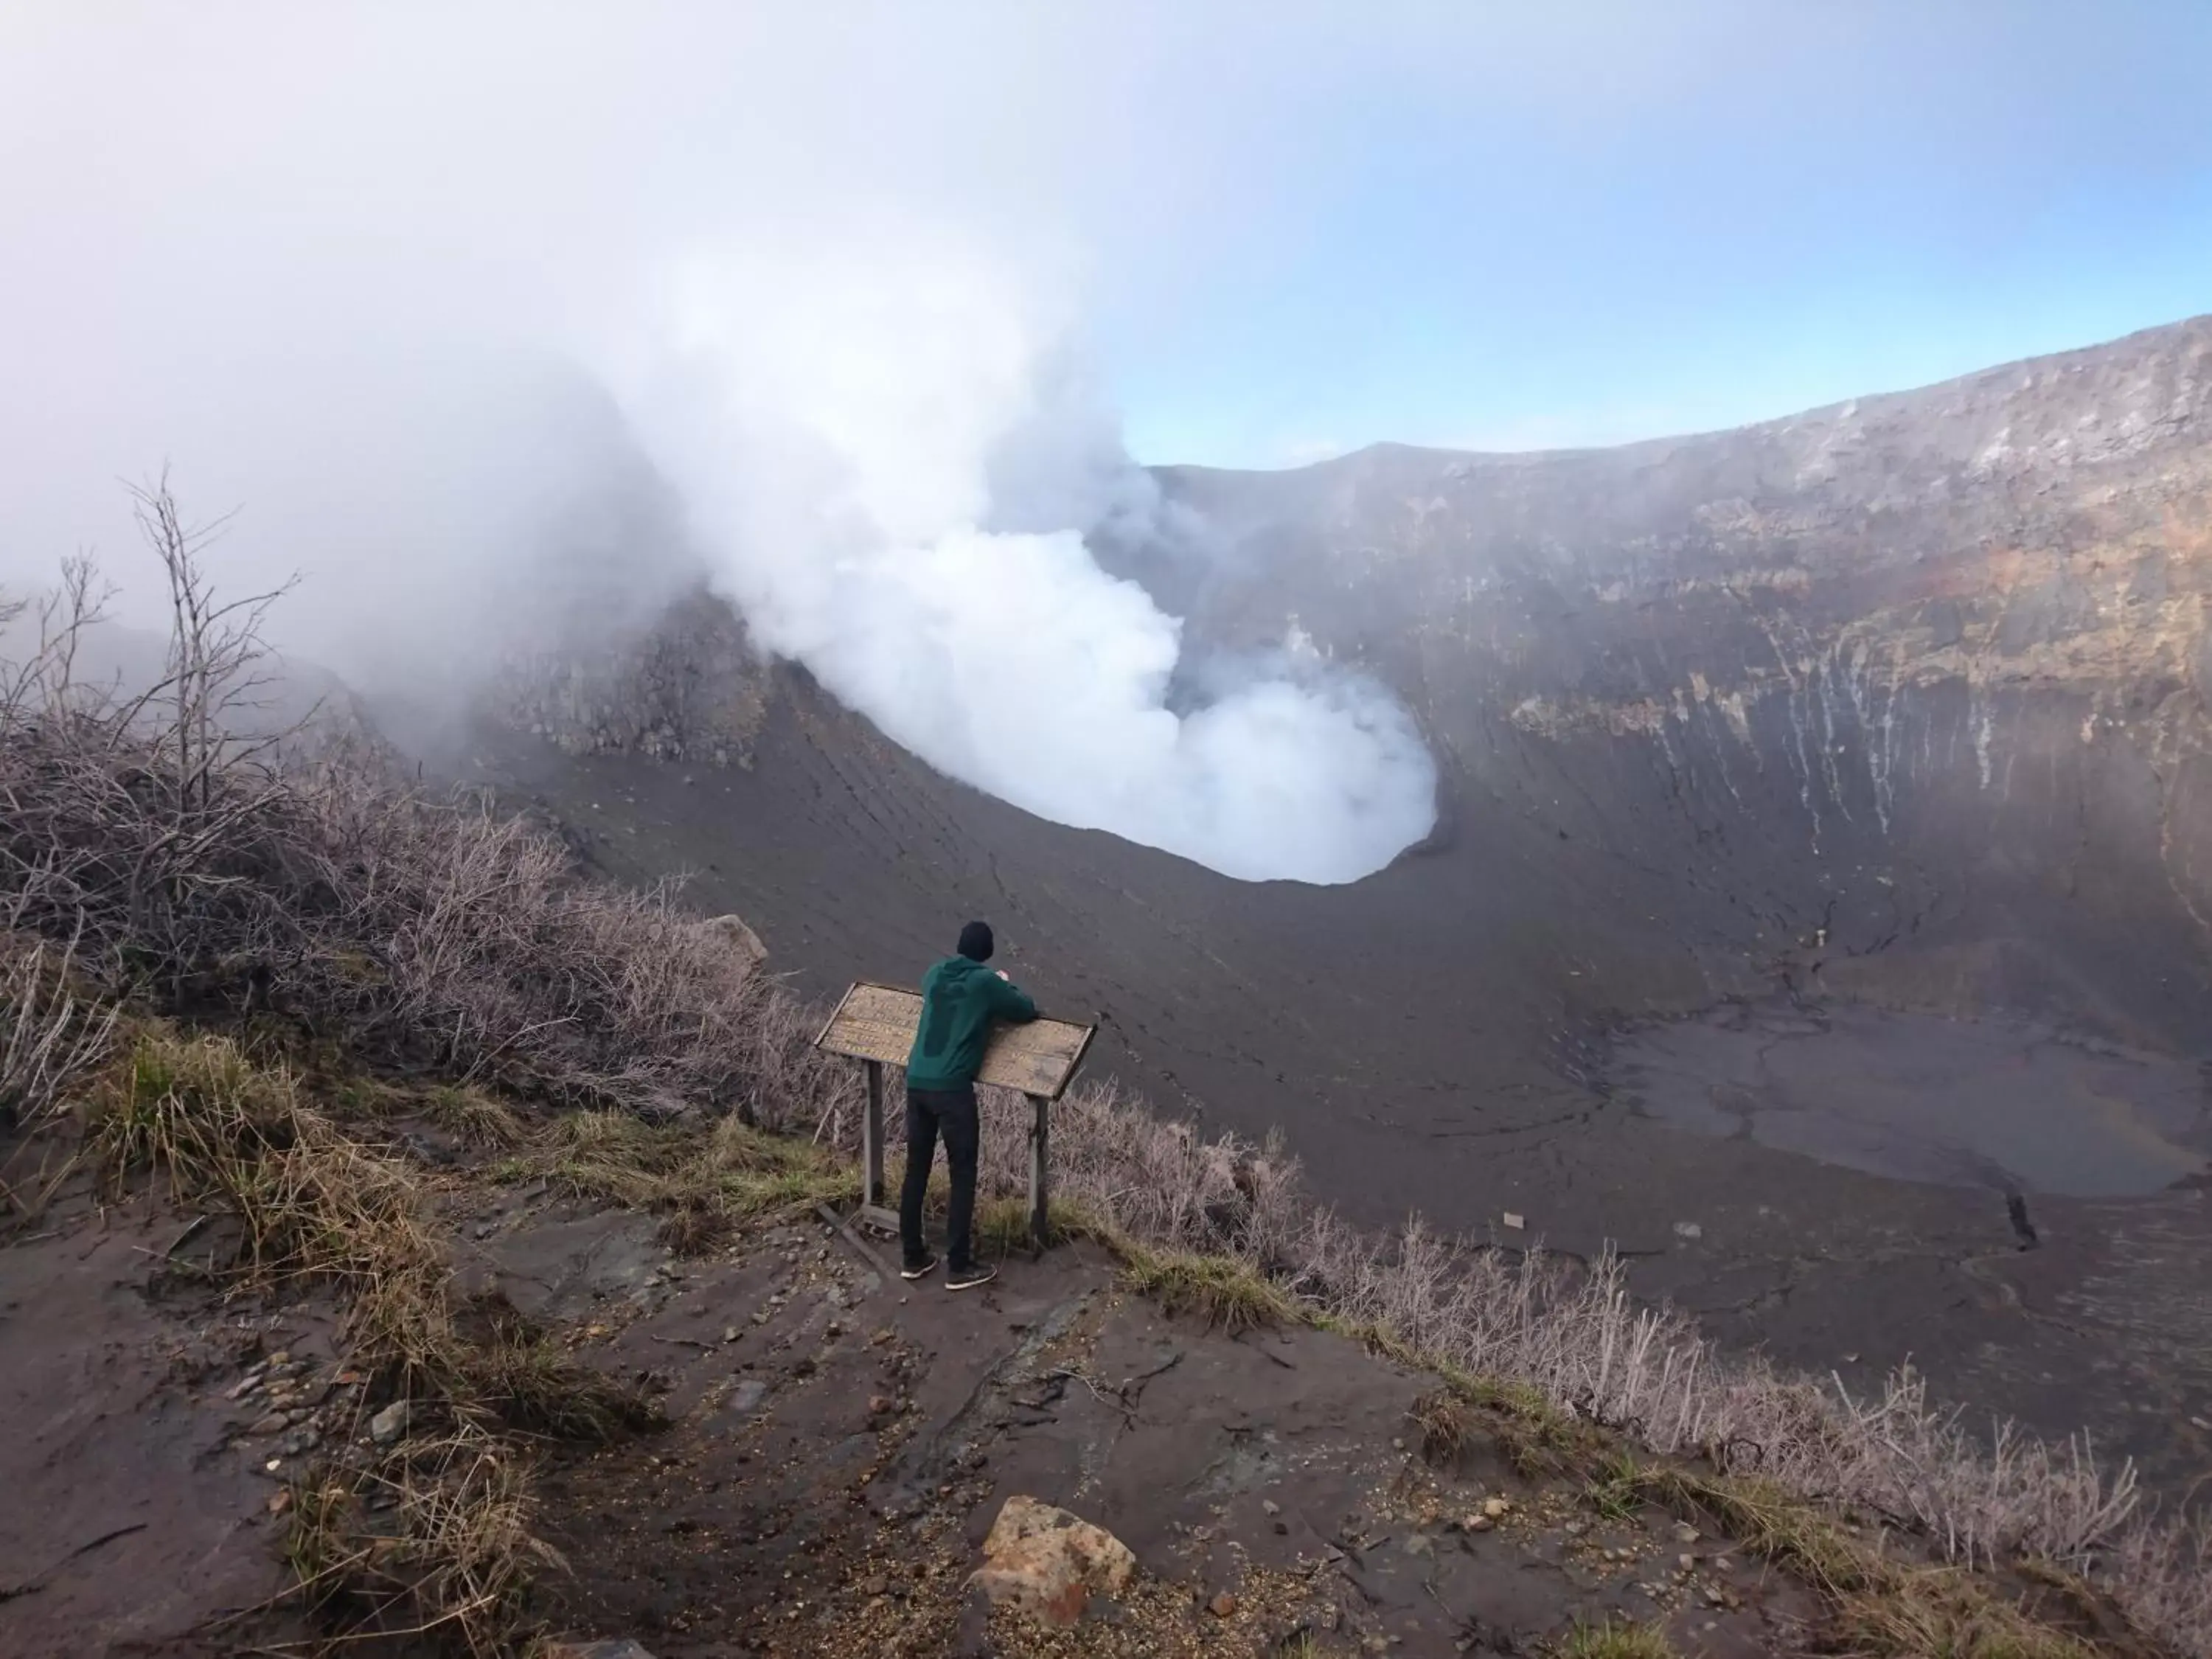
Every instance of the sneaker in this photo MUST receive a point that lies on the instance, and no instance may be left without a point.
(923, 1272)
(967, 1278)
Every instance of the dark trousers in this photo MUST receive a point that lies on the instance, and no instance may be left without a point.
(930, 1113)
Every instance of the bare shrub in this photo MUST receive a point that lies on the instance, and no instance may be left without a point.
(198, 862)
(49, 1036)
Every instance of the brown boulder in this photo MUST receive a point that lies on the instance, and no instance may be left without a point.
(1047, 1563)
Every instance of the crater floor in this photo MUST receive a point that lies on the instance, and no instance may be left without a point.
(1963, 1103)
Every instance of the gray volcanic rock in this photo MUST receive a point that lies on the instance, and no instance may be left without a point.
(1901, 702)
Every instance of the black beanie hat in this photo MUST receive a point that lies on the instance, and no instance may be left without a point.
(976, 941)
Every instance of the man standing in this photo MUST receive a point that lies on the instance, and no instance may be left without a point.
(960, 997)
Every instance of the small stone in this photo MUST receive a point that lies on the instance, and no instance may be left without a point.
(1269, 1506)
(388, 1425)
(1685, 1533)
(1480, 1523)
(879, 1404)
(731, 1332)
(1515, 1222)
(1397, 1443)
(875, 1585)
(274, 1423)
(1688, 1230)
(282, 1356)
(1575, 1529)
(1722, 1564)
(1686, 1561)
(1222, 1605)
(1495, 1507)
(247, 1384)
(281, 1501)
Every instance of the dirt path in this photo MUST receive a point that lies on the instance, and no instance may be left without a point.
(839, 1446)
(134, 1489)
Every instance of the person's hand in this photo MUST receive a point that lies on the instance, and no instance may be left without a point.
(1001, 973)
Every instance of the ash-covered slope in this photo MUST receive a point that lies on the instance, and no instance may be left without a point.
(1903, 701)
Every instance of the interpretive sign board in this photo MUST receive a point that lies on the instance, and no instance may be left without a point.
(876, 1024)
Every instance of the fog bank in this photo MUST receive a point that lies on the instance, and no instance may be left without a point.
(505, 327)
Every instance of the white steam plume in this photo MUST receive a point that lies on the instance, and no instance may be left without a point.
(383, 274)
(839, 421)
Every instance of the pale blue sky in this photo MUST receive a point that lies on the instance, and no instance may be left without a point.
(1750, 210)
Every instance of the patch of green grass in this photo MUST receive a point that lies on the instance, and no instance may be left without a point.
(1538, 1438)
(1227, 1294)
(1002, 1224)
(1615, 1639)
(1615, 1488)
(1767, 1521)
(704, 1185)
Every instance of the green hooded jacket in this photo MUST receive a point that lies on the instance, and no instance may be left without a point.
(960, 997)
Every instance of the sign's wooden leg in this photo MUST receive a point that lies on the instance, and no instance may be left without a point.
(1040, 1200)
(871, 1140)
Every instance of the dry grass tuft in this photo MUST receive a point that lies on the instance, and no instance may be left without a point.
(519, 1374)
(1944, 1611)
(1615, 1639)
(433, 1542)
(475, 1117)
(1449, 1428)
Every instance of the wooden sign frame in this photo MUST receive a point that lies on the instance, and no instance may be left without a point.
(875, 1024)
